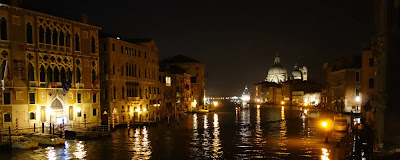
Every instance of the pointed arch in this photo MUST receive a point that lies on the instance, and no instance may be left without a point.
(61, 38)
(48, 35)
(55, 37)
(41, 34)
(68, 40)
(42, 74)
(78, 75)
(56, 74)
(31, 72)
(77, 42)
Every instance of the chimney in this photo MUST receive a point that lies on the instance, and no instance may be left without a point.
(84, 18)
(16, 3)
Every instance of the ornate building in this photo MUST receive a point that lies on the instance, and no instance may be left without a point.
(277, 73)
(49, 70)
(130, 79)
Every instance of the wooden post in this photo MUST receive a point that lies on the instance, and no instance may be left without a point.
(53, 128)
(9, 134)
(42, 127)
(16, 126)
(113, 121)
(34, 127)
(50, 128)
(128, 122)
(109, 123)
(63, 129)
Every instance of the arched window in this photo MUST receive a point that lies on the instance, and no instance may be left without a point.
(49, 74)
(115, 95)
(68, 40)
(78, 75)
(3, 69)
(77, 43)
(48, 35)
(42, 74)
(55, 37)
(3, 28)
(63, 75)
(93, 45)
(31, 72)
(61, 38)
(123, 93)
(41, 34)
(56, 75)
(130, 69)
(93, 76)
(134, 71)
(29, 33)
(69, 75)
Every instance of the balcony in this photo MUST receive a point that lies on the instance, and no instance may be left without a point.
(33, 84)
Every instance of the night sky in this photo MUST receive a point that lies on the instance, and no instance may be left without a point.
(237, 40)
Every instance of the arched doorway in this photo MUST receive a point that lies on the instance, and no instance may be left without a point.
(57, 112)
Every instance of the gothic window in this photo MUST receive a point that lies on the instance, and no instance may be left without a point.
(127, 72)
(93, 45)
(69, 75)
(61, 38)
(78, 75)
(123, 93)
(31, 72)
(56, 75)
(41, 34)
(49, 74)
(42, 74)
(68, 40)
(3, 28)
(29, 35)
(63, 79)
(77, 43)
(48, 35)
(93, 76)
(55, 37)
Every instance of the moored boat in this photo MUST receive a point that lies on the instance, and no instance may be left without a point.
(47, 139)
(21, 142)
(340, 123)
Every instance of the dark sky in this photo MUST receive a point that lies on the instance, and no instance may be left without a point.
(237, 40)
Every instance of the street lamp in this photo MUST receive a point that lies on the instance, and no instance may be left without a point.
(325, 125)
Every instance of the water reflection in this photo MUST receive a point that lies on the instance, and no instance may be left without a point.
(141, 144)
(217, 149)
(325, 154)
(80, 151)
(282, 134)
(51, 153)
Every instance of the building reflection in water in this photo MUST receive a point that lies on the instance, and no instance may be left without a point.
(206, 137)
(141, 144)
(283, 133)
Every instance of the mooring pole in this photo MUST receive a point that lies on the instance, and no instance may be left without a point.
(50, 128)
(34, 127)
(42, 127)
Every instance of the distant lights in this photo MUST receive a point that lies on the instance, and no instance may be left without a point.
(118, 38)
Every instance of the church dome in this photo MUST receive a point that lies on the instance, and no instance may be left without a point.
(277, 73)
(296, 73)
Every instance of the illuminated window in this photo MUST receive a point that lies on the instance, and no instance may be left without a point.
(167, 81)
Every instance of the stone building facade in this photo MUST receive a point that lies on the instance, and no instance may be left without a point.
(130, 80)
(49, 67)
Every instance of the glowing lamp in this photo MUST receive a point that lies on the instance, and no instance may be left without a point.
(144, 109)
(324, 124)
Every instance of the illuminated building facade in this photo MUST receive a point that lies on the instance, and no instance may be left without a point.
(129, 80)
(344, 84)
(196, 70)
(49, 70)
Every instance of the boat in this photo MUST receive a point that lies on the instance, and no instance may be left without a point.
(45, 138)
(340, 123)
(203, 111)
(21, 142)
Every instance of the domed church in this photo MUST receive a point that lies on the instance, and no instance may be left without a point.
(277, 73)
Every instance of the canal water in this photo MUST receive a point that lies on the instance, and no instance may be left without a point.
(268, 132)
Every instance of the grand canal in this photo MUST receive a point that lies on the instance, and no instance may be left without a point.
(268, 132)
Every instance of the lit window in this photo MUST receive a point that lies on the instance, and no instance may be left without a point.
(167, 81)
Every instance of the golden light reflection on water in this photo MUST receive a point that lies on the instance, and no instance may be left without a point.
(283, 131)
(141, 144)
(80, 151)
(217, 149)
(258, 127)
(325, 154)
(51, 153)
(206, 137)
